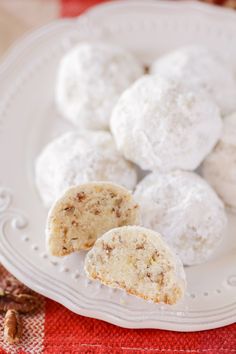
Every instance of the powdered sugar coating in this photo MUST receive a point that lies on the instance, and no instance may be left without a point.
(91, 77)
(219, 168)
(197, 66)
(160, 123)
(80, 157)
(185, 210)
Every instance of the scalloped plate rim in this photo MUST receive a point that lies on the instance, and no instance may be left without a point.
(5, 64)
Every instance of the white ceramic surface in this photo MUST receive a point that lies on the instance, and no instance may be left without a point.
(28, 119)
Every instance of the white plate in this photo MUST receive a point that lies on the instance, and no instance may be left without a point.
(28, 119)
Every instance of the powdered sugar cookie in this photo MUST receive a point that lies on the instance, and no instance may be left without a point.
(161, 124)
(185, 210)
(139, 261)
(91, 77)
(219, 168)
(197, 66)
(80, 157)
(85, 212)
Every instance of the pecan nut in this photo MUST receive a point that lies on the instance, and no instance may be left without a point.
(12, 327)
(23, 303)
(12, 285)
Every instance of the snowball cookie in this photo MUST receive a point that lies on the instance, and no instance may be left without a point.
(139, 261)
(219, 168)
(197, 66)
(91, 77)
(85, 212)
(185, 210)
(160, 124)
(80, 157)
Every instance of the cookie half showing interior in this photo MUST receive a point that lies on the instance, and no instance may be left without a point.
(137, 260)
(86, 212)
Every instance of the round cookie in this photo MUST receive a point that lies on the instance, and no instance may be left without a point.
(185, 210)
(85, 212)
(219, 168)
(159, 123)
(90, 79)
(80, 157)
(139, 261)
(197, 66)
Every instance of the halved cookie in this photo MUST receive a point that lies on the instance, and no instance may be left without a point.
(137, 260)
(86, 212)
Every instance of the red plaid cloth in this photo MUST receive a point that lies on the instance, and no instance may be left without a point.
(56, 330)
